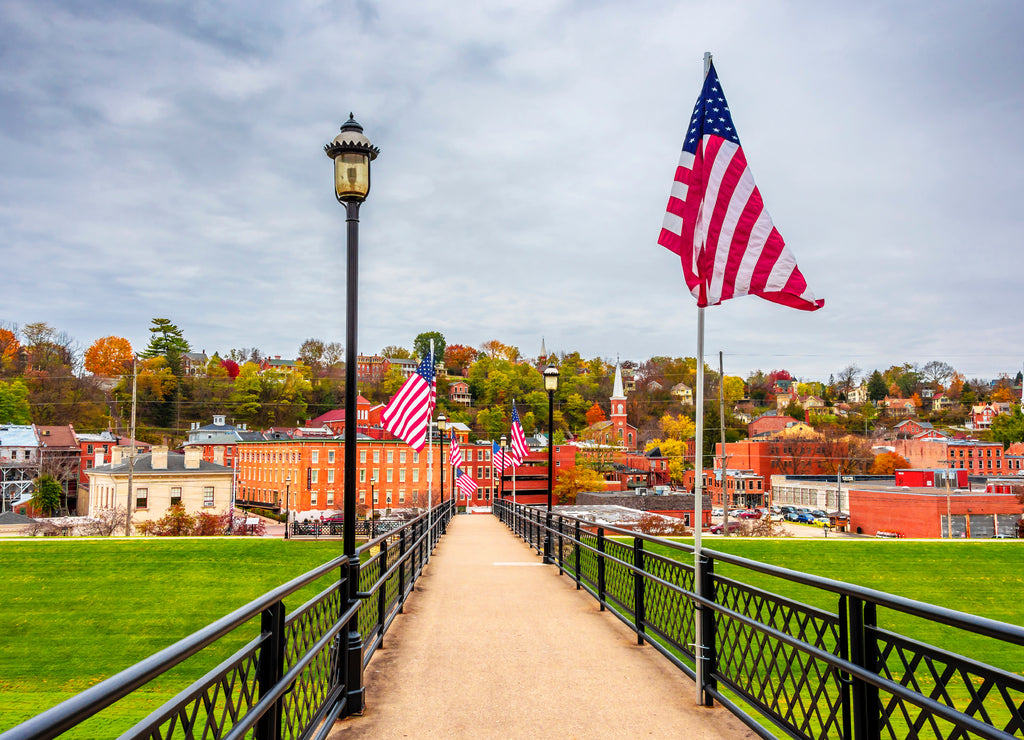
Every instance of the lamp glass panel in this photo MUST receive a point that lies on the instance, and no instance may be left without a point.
(352, 175)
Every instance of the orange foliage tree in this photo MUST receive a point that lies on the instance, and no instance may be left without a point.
(9, 347)
(888, 463)
(594, 415)
(109, 356)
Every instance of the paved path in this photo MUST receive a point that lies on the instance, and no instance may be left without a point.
(494, 645)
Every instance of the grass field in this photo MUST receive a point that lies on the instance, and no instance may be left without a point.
(74, 612)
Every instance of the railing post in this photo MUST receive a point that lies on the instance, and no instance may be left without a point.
(547, 539)
(865, 696)
(561, 546)
(639, 613)
(382, 594)
(600, 566)
(708, 649)
(270, 669)
(576, 549)
(401, 570)
(353, 646)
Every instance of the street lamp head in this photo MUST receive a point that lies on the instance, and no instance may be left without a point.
(503, 442)
(288, 479)
(551, 378)
(442, 423)
(352, 153)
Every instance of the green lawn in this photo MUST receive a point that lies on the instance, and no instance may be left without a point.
(74, 612)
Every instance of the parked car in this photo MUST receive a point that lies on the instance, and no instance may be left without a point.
(819, 512)
(719, 528)
(804, 517)
(749, 514)
(717, 512)
(736, 512)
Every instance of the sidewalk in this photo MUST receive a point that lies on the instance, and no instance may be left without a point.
(492, 644)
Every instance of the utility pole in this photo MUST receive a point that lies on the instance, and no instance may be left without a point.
(131, 452)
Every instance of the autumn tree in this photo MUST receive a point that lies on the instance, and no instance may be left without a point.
(47, 494)
(574, 480)
(393, 352)
(595, 414)
(10, 349)
(500, 351)
(109, 357)
(936, 373)
(230, 367)
(50, 350)
(678, 427)
(311, 354)
(1008, 428)
(888, 463)
(458, 358)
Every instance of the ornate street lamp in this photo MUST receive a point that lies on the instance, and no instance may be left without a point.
(352, 153)
(550, 385)
(442, 426)
(287, 503)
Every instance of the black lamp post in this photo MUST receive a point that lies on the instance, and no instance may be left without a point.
(352, 153)
(442, 425)
(550, 385)
(501, 472)
(287, 503)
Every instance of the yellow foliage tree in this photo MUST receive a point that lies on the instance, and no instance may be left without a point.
(572, 481)
(678, 427)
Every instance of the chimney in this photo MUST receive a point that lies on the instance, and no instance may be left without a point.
(98, 459)
(218, 455)
(117, 454)
(159, 459)
(193, 456)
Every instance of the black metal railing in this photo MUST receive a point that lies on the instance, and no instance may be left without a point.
(787, 668)
(335, 528)
(290, 680)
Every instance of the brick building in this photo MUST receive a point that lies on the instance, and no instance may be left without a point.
(966, 454)
(767, 423)
(531, 478)
(922, 512)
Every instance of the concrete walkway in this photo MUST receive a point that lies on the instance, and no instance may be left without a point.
(492, 644)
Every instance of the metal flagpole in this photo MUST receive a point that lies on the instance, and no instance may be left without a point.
(430, 471)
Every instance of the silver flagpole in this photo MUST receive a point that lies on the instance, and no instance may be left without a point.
(698, 489)
(430, 468)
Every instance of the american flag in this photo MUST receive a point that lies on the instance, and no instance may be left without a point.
(465, 483)
(716, 221)
(409, 413)
(501, 458)
(518, 444)
(455, 453)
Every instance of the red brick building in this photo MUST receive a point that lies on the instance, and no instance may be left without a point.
(390, 475)
(335, 420)
(531, 478)
(922, 512)
(983, 458)
(768, 423)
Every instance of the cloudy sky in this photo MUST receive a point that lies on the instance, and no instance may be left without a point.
(165, 159)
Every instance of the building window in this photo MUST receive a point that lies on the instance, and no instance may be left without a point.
(376, 456)
(312, 498)
(416, 457)
(175, 496)
(207, 495)
(401, 457)
(401, 496)
(362, 475)
(330, 497)
(330, 476)
(314, 456)
(314, 476)
(415, 475)
(391, 475)
(362, 497)
(141, 498)
(391, 456)
(401, 475)
(330, 456)
(362, 456)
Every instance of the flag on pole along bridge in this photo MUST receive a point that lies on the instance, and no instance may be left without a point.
(409, 413)
(465, 483)
(501, 458)
(455, 453)
(518, 443)
(716, 221)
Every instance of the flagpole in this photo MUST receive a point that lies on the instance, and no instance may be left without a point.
(430, 468)
(514, 466)
(698, 489)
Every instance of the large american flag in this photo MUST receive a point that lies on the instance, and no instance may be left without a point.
(501, 458)
(518, 443)
(455, 453)
(716, 221)
(409, 413)
(465, 483)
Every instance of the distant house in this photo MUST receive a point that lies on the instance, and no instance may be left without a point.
(276, 363)
(858, 394)
(194, 363)
(684, 393)
(982, 414)
(899, 406)
(458, 392)
(768, 423)
(371, 368)
(909, 428)
(335, 420)
(406, 367)
(941, 402)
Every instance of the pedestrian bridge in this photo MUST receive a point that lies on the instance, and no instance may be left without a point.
(457, 627)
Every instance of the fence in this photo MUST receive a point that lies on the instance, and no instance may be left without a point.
(784, 667)
(295, 675)
(334, 528)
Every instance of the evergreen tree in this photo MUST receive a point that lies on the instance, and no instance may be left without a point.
(166, 341)
(877, 389)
